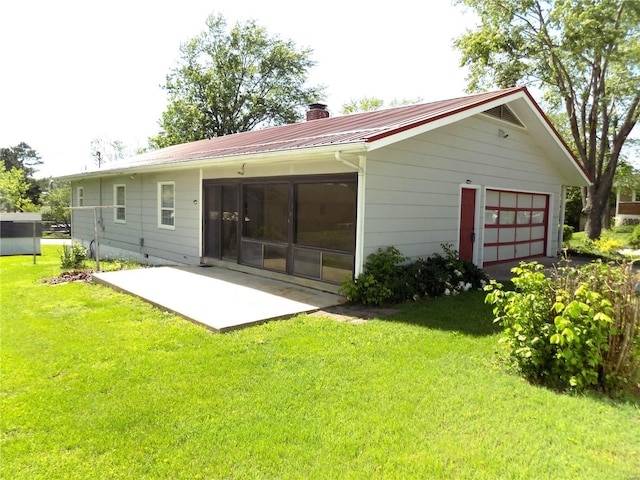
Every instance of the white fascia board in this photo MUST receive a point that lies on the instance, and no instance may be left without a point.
(441, 122)
(249, 158)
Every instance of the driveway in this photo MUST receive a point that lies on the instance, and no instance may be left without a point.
(218, 298)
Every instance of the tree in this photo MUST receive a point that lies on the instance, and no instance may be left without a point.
(585, 57)
(13, 191)
(25, 159)
(234, 81)
(369, 104)
(56, 201)
(104, 150)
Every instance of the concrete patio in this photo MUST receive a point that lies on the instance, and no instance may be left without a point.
(217, 298)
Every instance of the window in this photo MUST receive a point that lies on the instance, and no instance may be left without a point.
(166, 205)
(119, 201)
(80, 199)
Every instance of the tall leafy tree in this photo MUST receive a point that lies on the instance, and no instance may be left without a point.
(230, 81)
(25, 160)
(13, 191)
(369, 104)
(584, 55)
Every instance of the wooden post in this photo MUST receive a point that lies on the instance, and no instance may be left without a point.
(95, 238)
(34, 242)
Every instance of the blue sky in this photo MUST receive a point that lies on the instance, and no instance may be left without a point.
(77, 70)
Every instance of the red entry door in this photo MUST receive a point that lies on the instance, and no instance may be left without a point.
(467, 224)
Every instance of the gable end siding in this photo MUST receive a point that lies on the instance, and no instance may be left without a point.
(413, 187)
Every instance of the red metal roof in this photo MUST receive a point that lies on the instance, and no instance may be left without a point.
(349, 129)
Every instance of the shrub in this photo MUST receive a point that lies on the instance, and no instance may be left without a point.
(577, 329)
(567, 232)
(634, 239)
(381, 280)
(73, 256)
(608, 246)
(388, 279)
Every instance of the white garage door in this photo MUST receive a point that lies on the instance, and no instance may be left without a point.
(515, 225)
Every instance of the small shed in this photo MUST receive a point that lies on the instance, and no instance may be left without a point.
(20, 233)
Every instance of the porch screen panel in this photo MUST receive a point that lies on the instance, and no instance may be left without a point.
(266, 209)
(326, 216)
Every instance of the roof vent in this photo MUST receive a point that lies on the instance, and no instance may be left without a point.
(317, 111)
(503, 112)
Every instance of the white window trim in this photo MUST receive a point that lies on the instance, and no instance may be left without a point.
(80, 197)
(161, 208)
(118, 206)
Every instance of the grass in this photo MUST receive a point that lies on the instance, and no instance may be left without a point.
(621, 234)
(97, 384)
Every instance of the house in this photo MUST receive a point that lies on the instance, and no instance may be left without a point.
(308, 202)
(627, 207)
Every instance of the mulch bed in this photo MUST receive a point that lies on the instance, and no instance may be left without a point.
(71, 276)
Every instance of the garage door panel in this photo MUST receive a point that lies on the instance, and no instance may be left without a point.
(506, 252)
(523, 234)
(540, 201)
(537, 233)
(524, 200)
(523, 217)
(507, 235)
(507, 217)
(508, 200)
(491, 254)
(523, 250)
(491, 235)
(537, 248)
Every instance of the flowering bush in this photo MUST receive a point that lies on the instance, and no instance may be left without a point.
(387, 279)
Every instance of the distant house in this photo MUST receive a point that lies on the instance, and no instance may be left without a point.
(308, 202)
(627, 207)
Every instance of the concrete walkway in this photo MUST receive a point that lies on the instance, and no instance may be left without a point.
(217, 298)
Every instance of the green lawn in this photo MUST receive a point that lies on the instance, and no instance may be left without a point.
(620, 234)
(96, 384)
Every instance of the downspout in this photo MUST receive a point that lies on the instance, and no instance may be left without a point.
(349, 163)
(200, 204)
(360, 167)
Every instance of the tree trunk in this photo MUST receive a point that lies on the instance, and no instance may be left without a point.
(593, 224)
(595, 210)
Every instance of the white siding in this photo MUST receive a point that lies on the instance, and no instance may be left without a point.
(141, 234)
(413, 187)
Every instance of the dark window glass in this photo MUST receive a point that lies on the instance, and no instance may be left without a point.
(266, 212)
(275, 258)
(336, 268)
(326, 215)
(252, 254)
(306, 263)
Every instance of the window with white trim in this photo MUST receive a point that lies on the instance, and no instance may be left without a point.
(80, 197)
(166, 205)
(119, 201)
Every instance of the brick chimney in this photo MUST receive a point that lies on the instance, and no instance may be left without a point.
(316, 111)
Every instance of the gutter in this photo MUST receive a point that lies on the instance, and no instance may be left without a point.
(249, 158)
